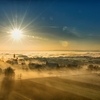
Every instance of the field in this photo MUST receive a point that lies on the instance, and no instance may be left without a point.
(75, 87)
(51, 78)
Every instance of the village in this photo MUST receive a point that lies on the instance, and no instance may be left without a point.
(17, 71)
(41, 63)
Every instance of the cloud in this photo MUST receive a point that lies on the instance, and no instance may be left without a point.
(64, 43)
(56, 33)
(35, 37)
(71, 31)
(50, 26)
(65, 28)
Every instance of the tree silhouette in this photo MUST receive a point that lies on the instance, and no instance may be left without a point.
(7, 83)
(9, 72)
(0, 71)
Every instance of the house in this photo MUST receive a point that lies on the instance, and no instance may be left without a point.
(52, 64)
(21, 61)
(34, 66)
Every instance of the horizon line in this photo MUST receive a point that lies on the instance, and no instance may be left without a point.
(49, 50)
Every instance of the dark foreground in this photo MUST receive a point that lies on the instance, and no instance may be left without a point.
(54, 88)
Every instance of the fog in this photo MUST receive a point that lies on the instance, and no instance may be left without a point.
(47, 54)
(64, 73)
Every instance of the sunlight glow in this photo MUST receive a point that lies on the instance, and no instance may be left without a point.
(16, 34)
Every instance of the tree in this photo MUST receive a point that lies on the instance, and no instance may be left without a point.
(93, 68)
(7, 83)
(9, 72)
(0, 71)
(90, 67)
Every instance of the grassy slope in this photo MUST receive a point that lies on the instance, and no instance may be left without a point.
(39, 91)
(79, 88)
(55, 88)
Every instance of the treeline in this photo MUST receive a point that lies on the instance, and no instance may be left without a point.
(8, 72)
(93, 68)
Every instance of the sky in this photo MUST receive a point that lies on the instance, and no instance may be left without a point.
(50, 24)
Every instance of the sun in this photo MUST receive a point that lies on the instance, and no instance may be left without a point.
(16, 34)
